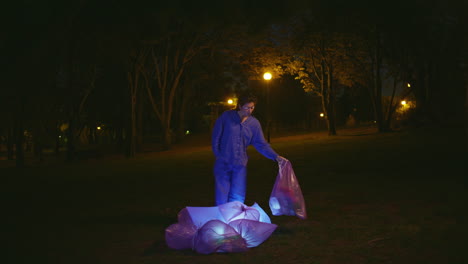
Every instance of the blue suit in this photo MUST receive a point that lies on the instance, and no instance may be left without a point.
(229, 141)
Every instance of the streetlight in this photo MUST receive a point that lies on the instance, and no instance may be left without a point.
(267, 76)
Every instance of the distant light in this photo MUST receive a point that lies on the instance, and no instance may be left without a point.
(322, 114)
(403, 102)
(409, 85)
(60, 136)
(230, 101)
(187, 132)
(98, 128)
(267, 76)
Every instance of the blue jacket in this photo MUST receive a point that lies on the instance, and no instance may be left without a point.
(230, 138)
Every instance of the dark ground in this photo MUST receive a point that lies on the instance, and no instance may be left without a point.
(371, 198)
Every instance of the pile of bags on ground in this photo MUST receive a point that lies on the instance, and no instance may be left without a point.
(231, 227)
(235, 227)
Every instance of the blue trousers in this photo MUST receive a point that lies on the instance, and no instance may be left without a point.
(230, 182)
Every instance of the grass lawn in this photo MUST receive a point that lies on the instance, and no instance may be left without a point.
(371, 198)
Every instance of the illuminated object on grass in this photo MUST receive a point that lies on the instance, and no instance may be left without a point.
(230, 227)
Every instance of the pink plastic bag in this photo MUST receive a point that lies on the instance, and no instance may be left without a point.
(286, 197)
(217, 236)
(230, 227)
(253, 232)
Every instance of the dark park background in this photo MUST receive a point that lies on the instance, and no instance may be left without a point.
(106, 109)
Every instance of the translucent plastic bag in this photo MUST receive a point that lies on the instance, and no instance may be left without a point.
(230, 227)
(217, 236)
(286, 197)
(253, 232)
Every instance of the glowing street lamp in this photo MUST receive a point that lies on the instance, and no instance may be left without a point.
(267, 76)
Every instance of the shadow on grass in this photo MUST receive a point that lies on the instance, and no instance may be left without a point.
(130, 218)
(158, 248)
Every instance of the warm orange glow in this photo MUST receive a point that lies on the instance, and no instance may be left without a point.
(322, 114)
(403, 102)
(267, 76)
(230, 101)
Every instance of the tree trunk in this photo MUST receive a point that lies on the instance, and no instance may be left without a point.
(133, 129)
(19, 131)
(57, 142)
(121, 136)
(378, 86)
(71, 140)
(166, 138)
(391, 107)
(71, 124)
(331, 119)
(466, 111)
(19, 142)
(421, 92)
(331, 104)
(184, 101)
(324, 96)
(38, 138)
(180, 134)
(10, 144)
(139, 121)
(133, 87)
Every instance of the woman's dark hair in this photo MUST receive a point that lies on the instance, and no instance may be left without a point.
(246, 98)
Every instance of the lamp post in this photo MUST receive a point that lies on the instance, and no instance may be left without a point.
(267, 76)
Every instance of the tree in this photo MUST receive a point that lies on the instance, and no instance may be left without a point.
(169, 56)
(33, 49)
(321, 59)
(135, 76)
